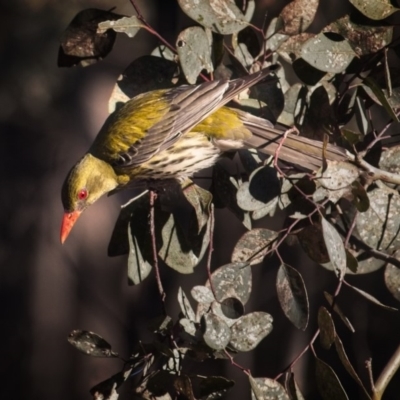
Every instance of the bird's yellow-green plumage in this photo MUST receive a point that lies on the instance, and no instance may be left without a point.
(163, 134)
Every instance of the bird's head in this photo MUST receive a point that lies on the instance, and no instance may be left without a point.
(87, 181)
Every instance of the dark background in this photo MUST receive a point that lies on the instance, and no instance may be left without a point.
(48, 118)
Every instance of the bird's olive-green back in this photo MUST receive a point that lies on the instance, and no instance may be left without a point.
(129, 124)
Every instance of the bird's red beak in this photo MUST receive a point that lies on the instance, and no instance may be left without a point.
(68, 222)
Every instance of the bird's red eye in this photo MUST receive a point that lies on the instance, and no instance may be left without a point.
(82, 194)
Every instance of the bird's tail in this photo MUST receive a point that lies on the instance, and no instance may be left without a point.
(304, 152)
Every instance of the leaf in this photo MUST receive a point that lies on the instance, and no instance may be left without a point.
(327, 55)
(292, 295)
(346, 363)
(312, 242)
(379, 226)
(335, 248)
(339, 312)
(374, 9)
(138, 268)
(371, 298)
(200, 199)
(363, 39)
(185, 306)
(232, 280)
(392, 280)
(144, 74)
(372, 84)
(224, 191)
(253, 246)
(267, 388)
(91, 343)
(292, 388)
(327, 328)
(202, 294)
(249, 330)
(338, 178)
(298, 15)
(328, 383)
(128, 25)
(183, 386)
(221, 16)
(81, 44)
(263, 186)
(194, 51)
(216, 333)
(360, 196)
(214, 386)
(107, 390)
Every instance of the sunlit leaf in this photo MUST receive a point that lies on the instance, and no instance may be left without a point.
(375, 9)
(267, 388)
(253, 246)
(221, 16)
(128, 25)
(327, 55)
(249, 330)
(335, 248)
(298, 15)
(217, 333)
(194, 50)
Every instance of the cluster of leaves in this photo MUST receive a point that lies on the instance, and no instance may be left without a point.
(344, 215)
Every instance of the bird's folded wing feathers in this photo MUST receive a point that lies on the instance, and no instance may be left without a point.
(189, 105)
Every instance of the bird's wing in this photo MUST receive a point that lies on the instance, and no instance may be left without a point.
(187, 106)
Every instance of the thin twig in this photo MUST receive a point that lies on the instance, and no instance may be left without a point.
(153, 197)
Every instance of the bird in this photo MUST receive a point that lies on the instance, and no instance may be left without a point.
(170, 134)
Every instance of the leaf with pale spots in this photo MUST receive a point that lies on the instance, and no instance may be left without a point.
(326, 327)
(194, 50)
(292, 295)
(267, 388)
(221, 16)
(335, 248)
(216, 332)
(327, 55)
(253, 246)
(250, 329)
(91, 343)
